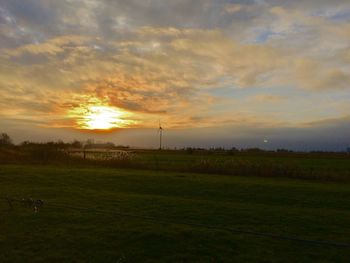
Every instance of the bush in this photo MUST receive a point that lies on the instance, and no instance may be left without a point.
(5, 140)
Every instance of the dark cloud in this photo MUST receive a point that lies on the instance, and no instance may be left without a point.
(30, 11)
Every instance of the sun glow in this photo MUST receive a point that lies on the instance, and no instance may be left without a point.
(103, 118)
(100, 116)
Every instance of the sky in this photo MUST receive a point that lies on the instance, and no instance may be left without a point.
(227, 73)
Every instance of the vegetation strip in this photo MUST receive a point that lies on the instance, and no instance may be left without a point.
(176, 222)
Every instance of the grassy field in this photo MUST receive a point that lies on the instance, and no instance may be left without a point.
(313, 166)
(326, 166)
(316, 210)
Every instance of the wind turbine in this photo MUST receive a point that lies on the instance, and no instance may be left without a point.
(160, 131)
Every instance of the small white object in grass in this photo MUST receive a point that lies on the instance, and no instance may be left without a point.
(266, 141)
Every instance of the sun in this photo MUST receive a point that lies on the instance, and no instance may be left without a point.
(97, 115)
(103, 118)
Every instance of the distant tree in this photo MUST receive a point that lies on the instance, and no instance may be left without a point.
(5, 139)
(25, 143)
(233, 151)
(77, 144)
(189, 150)
(122, 147)
(60, 144)
(284, 151)
(88, 143)
(254, 150)
(110, 145)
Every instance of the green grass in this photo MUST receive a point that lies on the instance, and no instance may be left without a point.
(307, 209)
(312, 166)
(327, 167)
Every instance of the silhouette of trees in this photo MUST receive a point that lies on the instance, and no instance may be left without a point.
(77, 144)
(5, 140)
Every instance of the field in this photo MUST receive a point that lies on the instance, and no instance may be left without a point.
(100, 214)
(312, 166)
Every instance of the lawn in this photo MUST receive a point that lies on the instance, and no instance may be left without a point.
(315, 210)
(319, 166)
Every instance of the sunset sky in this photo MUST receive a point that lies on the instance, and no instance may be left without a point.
(254, 73)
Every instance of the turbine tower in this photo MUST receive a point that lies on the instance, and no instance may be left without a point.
(160, 130)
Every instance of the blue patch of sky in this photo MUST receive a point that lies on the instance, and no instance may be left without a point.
(236, 92)
(30, 10)
(298, 104)
(335, 15)
(264, 36)
(341, 16)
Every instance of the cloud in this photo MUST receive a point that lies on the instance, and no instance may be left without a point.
(310, 74)
(170, 59)
(268, 98)
(330, 122)
(158, 71)
(53, 46)
(234, 8)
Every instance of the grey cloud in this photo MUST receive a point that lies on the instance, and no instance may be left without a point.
(32, 11)
(161, 57)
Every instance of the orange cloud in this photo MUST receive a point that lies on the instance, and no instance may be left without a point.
(156, 72)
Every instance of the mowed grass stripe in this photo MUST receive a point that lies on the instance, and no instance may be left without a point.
(307, 209)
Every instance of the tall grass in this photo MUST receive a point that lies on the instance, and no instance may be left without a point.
(238, 165)
(266, 168)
